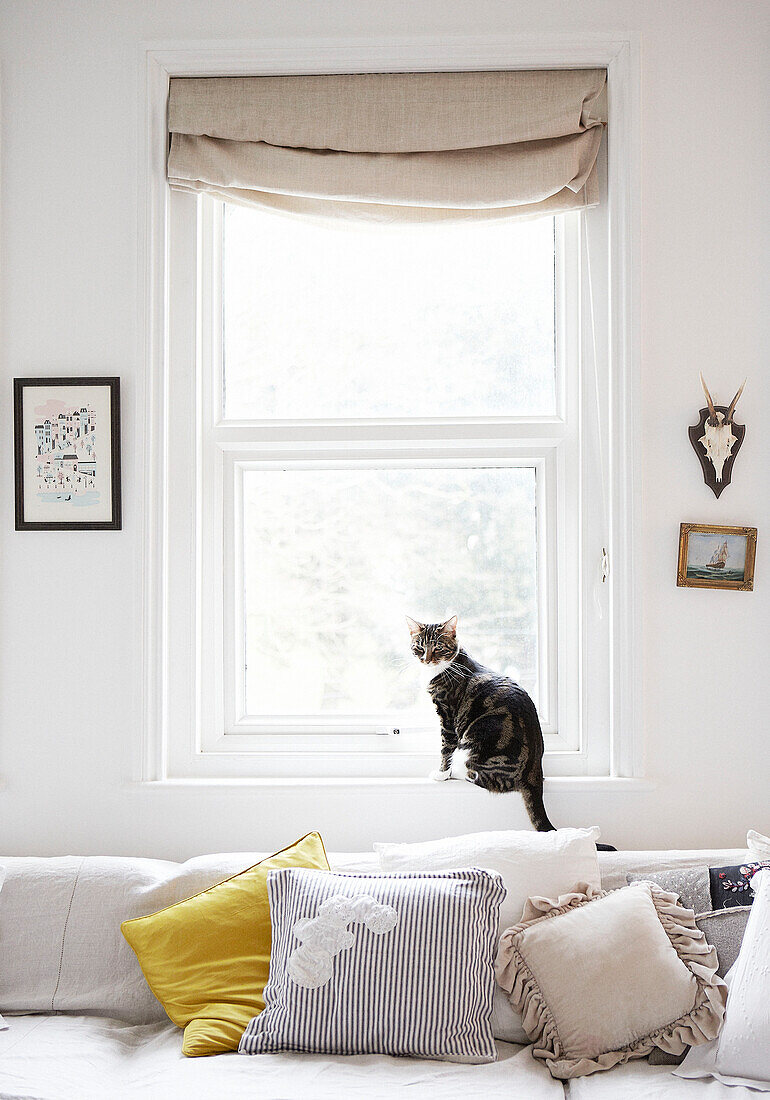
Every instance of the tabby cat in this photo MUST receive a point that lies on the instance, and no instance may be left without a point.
(490, 732)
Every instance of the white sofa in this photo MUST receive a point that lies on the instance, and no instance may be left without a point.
(82, 1023)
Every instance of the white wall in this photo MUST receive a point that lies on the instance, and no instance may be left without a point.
(69, 700)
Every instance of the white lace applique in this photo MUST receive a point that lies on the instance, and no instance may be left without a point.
(325, 935)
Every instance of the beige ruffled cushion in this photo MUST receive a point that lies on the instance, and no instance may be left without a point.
(601, 978)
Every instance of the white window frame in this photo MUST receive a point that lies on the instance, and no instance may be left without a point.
(192, 729)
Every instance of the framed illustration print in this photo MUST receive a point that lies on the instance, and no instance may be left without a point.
(67, 452)
(716, 557)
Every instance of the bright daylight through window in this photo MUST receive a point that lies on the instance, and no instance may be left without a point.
(371, 325)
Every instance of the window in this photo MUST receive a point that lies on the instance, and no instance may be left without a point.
(362, 422)
(387, 422)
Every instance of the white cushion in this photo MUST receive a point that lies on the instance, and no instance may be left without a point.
(702, 1061)
(744, 1045)
(530, 863)
(758, 844)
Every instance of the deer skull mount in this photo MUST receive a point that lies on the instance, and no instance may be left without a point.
(716, 439)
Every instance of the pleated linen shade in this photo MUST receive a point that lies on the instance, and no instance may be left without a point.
(392, 146)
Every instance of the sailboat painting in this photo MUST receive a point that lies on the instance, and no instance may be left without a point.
(709, 554)
(716, 557)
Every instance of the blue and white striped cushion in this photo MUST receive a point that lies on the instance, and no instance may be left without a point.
(419, 984)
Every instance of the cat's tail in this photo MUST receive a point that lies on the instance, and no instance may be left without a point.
(535, 807)
(532, 787)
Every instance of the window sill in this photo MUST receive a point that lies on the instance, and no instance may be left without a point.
(574, 784)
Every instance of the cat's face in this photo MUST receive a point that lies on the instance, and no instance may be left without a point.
(433, 642)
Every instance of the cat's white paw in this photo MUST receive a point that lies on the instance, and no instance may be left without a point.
(438, 775)
(471, 776)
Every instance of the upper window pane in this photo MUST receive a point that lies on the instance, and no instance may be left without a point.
(332, 320)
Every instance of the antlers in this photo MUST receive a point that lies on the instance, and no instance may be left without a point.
(712, 411)
(734, 402)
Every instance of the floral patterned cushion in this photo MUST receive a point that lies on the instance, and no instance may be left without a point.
(731, 886)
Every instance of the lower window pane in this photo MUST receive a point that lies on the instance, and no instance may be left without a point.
(334, 560)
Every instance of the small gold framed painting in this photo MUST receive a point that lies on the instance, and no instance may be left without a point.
(716, 557)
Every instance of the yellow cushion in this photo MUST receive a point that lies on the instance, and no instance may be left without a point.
(207, 959)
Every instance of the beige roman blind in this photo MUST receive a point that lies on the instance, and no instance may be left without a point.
(395, 146)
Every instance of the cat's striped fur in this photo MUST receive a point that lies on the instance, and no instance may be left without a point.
(487, 720)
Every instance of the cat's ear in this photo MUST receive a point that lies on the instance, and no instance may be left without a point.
(414, 627)
(450, 626)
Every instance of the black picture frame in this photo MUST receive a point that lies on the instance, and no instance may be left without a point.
(19, 387)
